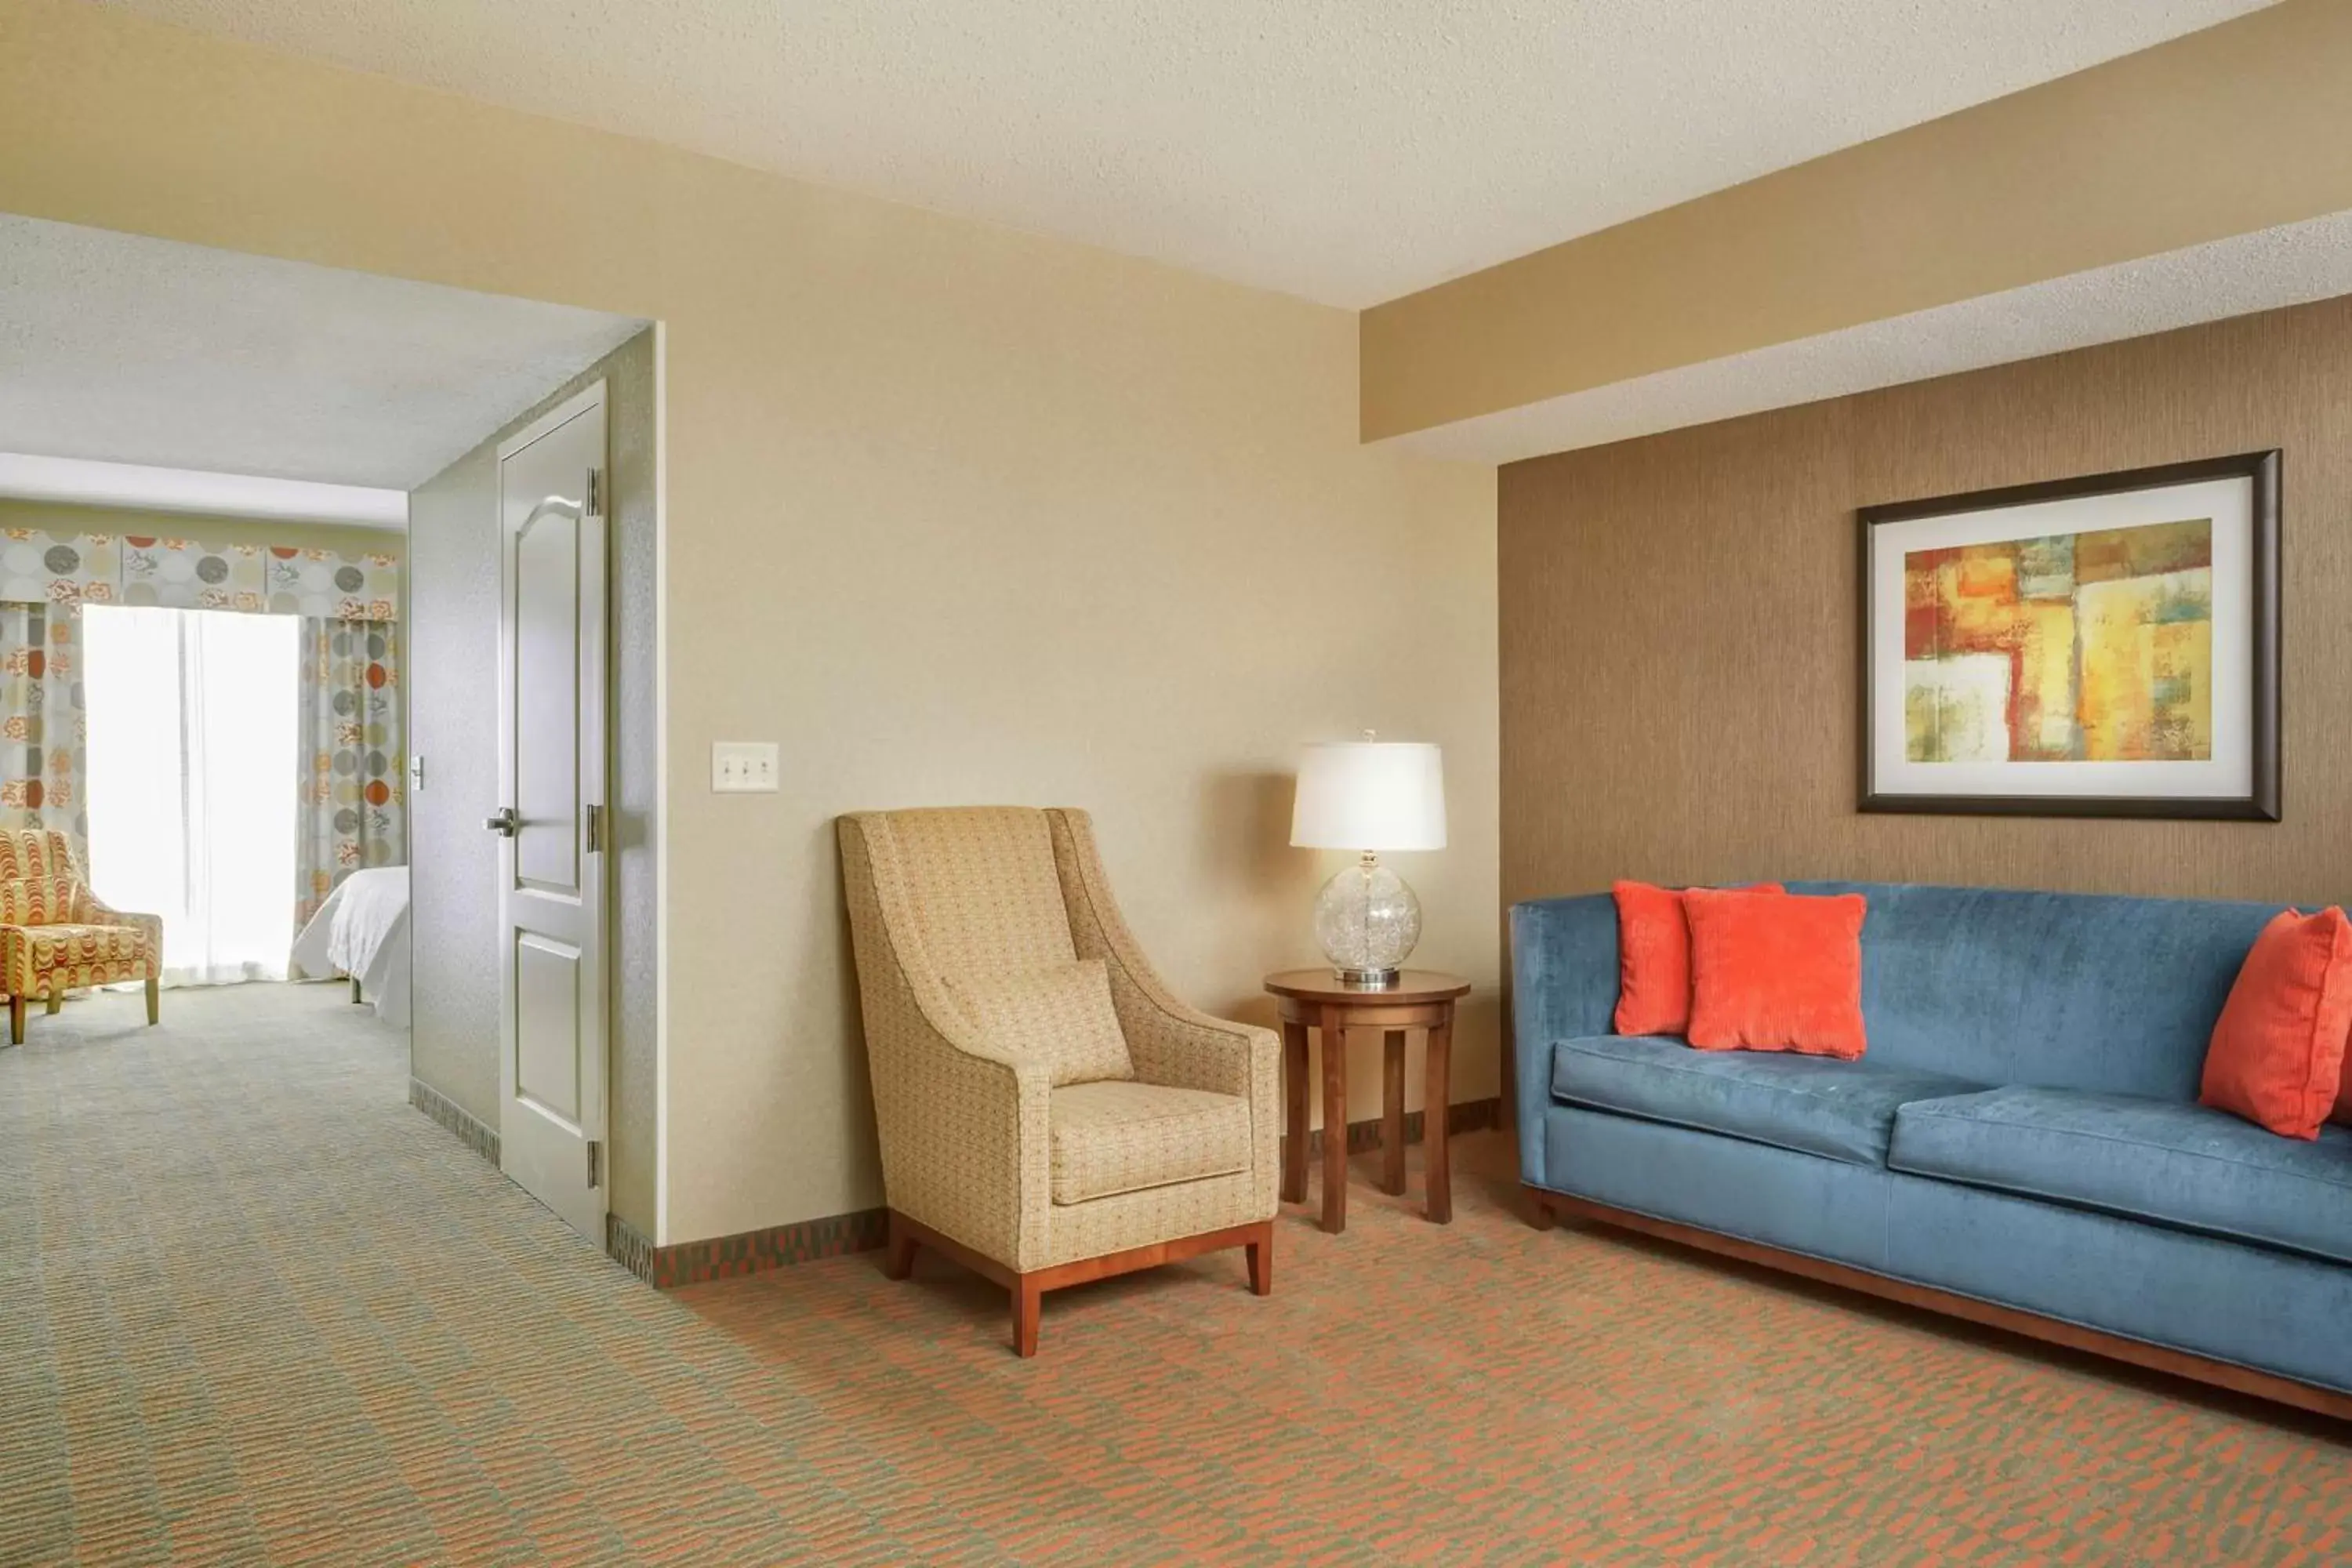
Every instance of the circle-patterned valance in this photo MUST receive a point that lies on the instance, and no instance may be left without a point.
(73, 570)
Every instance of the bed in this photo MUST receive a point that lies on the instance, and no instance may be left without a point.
(361, 931)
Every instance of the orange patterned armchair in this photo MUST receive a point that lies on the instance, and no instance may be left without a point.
(55, 934)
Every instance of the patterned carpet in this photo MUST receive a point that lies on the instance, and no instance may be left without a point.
(257, 1310)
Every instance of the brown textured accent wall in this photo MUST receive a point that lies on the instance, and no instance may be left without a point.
(1678, 641)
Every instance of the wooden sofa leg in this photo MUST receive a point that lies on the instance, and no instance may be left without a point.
(1261, 1262)
(1538, 1213)
(15, 1020)
(155, 1000)
(357, 999)
(899, 1257)
(1028, 1300)
(57, 999)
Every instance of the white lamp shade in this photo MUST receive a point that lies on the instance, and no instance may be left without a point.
(1370, 794)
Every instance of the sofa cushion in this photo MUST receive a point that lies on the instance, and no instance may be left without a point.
(1653, 958)
(1776, 972)
(2277, 1057)
(1815, 1105)
(2180, 1165)
(1114, 1137)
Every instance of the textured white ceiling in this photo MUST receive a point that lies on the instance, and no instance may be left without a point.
(132, 350)
(1348, 151)
(84, 482)
(2291, 265)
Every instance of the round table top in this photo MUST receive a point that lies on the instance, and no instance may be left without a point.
(1321, 985)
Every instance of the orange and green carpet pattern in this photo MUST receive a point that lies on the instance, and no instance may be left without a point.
(258, 1309)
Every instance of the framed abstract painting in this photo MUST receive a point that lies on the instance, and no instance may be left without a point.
(2099, 646)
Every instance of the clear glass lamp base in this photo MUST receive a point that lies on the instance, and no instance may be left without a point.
(1368, 921)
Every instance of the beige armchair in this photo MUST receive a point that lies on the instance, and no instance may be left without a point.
(1034, 1128)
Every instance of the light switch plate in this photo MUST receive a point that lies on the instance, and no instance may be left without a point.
(743, 767)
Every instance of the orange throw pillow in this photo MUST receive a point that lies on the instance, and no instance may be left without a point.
(2277, 1056)
(1776, 972)
(1653, 967)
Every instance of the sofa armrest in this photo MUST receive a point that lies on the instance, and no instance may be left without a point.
(1563, 987)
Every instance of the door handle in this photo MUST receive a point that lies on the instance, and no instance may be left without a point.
(504, 822)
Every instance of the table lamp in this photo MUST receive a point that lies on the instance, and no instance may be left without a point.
(1369, 796)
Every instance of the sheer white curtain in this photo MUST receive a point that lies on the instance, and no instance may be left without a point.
(191, 781)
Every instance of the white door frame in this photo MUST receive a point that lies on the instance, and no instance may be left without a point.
(534, 1150)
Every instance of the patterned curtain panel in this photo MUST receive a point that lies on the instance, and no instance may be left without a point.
(43, 730)
(351, 800)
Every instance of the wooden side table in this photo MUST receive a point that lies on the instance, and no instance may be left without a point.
(1317, 999)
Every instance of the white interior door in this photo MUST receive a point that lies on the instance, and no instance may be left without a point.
(551, 775)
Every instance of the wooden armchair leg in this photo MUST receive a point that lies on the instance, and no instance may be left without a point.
(1261, 1262)
(1028, 1301)
(57, 998)
(898, 1259)
(15, 1020)
(155, 1000)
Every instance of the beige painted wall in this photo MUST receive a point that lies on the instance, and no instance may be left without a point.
(1679, 640)
(453, 653)
(2220, 132)
(952, 513)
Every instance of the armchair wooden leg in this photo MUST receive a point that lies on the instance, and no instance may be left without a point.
(1261, 1261)
(898, 1258)
(155, 1000)
(15, 1020)
(357, 999)
(1028, 1300)
(56, 999)
(1538, 1213)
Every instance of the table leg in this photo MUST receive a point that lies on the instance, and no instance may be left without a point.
(1293, 1106)
(1392, 1112)
(1436, 1108)
(1335, 1128)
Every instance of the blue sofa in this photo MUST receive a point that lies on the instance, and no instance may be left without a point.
(2021, 1144)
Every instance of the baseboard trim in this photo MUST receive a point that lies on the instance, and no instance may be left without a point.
(1364, 1137)
(749, 1252)
(867, 1230)
(475, 1134)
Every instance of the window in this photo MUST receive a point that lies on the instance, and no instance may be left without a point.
(191, 781)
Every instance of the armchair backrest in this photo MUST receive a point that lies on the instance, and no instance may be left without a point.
(982, 886)
(35, 855)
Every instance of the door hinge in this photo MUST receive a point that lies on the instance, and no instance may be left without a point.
(595, 829)
(594, 1173)
(595, 492)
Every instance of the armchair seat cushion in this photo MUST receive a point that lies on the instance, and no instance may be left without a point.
(71, 956)
(1121, 1137)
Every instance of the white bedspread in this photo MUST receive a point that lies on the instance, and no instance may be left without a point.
(362, 931)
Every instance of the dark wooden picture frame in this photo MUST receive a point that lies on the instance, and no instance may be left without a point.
(2260, 803)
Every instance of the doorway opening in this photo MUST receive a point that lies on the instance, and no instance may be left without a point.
(259, 671)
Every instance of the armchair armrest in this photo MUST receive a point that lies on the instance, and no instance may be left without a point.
(91, 910)
(1172, 1043)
